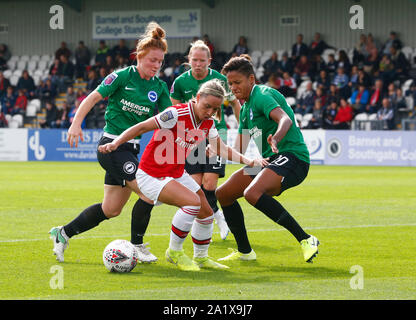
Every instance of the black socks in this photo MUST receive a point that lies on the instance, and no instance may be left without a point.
(235, 220)
(140, 217)
(212, 199)
(88, 219)
(275, 211)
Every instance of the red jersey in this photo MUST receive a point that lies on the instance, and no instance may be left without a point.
(177, 136)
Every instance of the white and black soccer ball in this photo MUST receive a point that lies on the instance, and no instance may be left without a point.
(120, 256)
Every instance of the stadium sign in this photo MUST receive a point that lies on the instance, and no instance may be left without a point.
(130, 24)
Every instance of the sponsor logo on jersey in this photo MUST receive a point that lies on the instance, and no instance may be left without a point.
(152, 95)
(110, 79)
(129, 167)
(166, 116)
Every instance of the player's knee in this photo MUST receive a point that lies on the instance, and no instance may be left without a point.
(252, 195)
(111, 212)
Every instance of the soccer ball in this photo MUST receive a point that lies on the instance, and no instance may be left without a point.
(120, 256)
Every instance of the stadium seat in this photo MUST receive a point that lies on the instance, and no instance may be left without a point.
(406, 85)
(298, 117)
(38, 73)
(408, 52)
(307, 116)
(36, 103)
(31, 66)
(24, 58)
(280, 54)
(11, 64)
(256, 53)
(19, 119)
(168, 71)
(409, 104)
(361, 116)
(31, 110)
(372, 116)
(18, 72)
(7, 73)
(13, 80)
(21, 65)
(13, 124)
(46, 57)
(291, 101)
(267, 53)
(35, 57)
(8, 117)
(14, 58)
(42, 64)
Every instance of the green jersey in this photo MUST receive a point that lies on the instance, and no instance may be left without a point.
(131, 99)
(254, 117)
(185, 87)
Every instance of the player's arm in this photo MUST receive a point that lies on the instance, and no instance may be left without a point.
(128, 134)
(281, 117)
(174, 101)
(75, 131)
(235, 104)
(231, 154)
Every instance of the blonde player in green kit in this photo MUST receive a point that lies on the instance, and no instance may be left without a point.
(133, 95)
(269, 120)
(204, 170)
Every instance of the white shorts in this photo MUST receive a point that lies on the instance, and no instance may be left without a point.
(151, 186)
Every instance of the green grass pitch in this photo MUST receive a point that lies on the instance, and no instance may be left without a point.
(365, 218)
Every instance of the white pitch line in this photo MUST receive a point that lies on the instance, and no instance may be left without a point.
(254, 230)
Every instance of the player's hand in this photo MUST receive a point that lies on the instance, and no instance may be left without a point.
(107, 148)
(273, 143)
(74, 135)
(260, 162)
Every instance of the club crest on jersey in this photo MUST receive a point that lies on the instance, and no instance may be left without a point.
(110, 78)
(152, 95)
(129, 167)
(166, 116)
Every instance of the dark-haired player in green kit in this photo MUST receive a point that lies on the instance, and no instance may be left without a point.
(269, 120)
(133, 94)
(204, 170)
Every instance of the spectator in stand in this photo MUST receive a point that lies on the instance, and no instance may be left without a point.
(5, 55)
(271, 66)
(364, 78)
(376, 97)
(65, 73)
(20, 104)
(71, 96)
(27, 84)
(323, 80)
(133, 53)
(353, 78)
(333, 94)
(93, 81)
(81, 95)
(8, 101)
(372, 61)
(371, 43)
(331, 66)
(302, 69)
(286, 65)
(341, 80)
(241, 47)
(210, 45)
(47, 91)
(101, 53)
(392, 41)
(398, 102)
(386, 69)
(164, 77)
(53, 71)
(121, 49)
(4, 84)
(344, 116)
(329, 115)
(317, 46)
(306, 101)
(51, 116)
(360, 98)
(3, 121)
(82, 60)
(299, 49)
(386, 113)
(62, 120)
(73, 111)
(121, 62)
(63, 50)
(401, 64)
(360, 52)
(318, 64)
(103, 72)
(321, 95)
(273, 81)
(317, 115)
(344, 61)
(109, 64)
(288, 85)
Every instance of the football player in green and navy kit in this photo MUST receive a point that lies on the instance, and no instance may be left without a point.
(206, 171)
(133, 94)
(269, 120)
